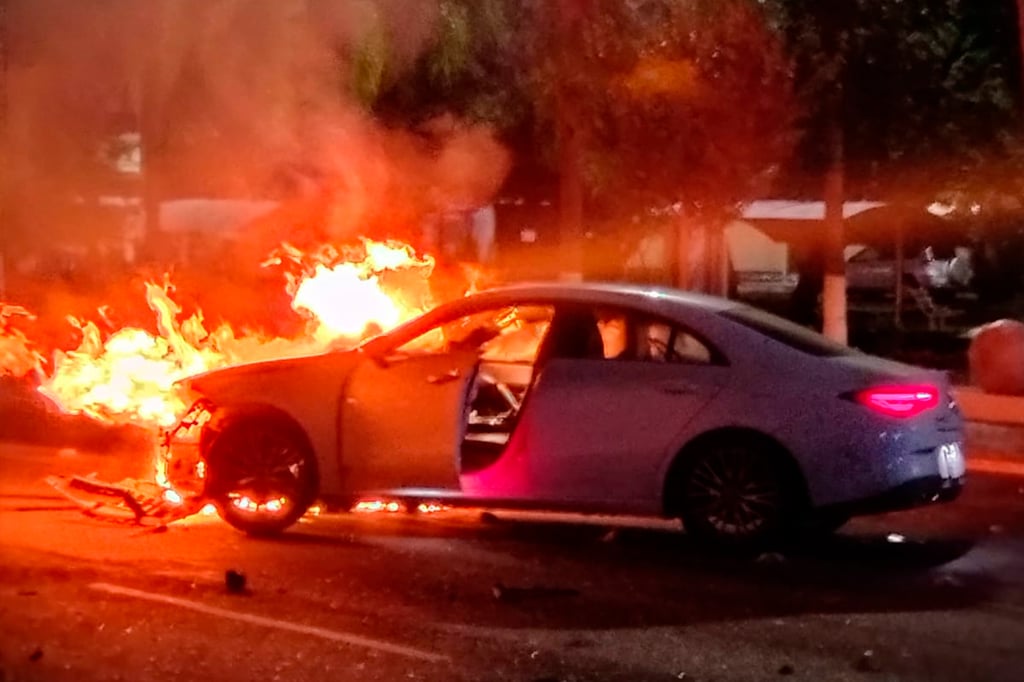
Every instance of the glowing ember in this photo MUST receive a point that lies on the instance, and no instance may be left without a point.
(376, 506)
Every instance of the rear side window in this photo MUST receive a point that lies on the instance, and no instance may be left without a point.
(787, 333)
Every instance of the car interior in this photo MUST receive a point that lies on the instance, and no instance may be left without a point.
(520, 341)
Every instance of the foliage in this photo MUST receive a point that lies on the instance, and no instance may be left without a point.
(685, 102)
(928, 88)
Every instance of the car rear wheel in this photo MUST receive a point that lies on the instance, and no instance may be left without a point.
(739, 493)
(261, 474)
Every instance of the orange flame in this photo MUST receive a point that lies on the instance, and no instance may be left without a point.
(18, 357)
(346, 295)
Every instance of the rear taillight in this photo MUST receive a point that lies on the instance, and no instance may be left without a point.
(899, 400)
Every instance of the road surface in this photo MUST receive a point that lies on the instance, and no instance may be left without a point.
(933, 594)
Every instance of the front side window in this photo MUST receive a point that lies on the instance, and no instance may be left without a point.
(506, 334)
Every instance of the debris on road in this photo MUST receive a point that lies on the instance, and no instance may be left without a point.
(130, 500)
(35, 655)
(867, 663)
(505, 593)
(234, 582)
(771, 558)
(787, 669)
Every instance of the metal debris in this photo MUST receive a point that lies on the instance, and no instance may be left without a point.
(130, 500)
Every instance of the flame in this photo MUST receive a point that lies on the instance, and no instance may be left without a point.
(18, 356)
(128, 376)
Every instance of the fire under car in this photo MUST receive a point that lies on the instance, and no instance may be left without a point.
(595, 398)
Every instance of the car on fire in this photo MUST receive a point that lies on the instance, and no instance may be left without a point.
(603, 398)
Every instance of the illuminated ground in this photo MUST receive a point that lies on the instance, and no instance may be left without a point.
(461, 596)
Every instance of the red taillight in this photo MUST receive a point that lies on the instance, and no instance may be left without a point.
(900, 400)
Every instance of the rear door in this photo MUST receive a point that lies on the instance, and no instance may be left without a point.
(598, 427)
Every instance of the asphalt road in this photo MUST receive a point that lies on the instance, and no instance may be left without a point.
(462, 595)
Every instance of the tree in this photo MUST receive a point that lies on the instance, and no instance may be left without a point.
(902, 99)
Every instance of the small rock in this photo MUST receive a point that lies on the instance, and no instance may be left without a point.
(162, 528)
(996, 529)
(787, 669)
(771, 558)
(867, 663)
(36, 654)
(27, 593)
(488, 517)
(234, 582)
(681, 676)
(611, 536)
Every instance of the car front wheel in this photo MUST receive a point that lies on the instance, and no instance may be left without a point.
(739, 493)
(261, 474)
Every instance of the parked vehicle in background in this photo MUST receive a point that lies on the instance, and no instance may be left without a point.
(940, 272)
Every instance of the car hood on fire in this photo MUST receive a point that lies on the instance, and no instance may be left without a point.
(214, 380)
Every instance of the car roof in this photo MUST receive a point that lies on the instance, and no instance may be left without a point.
(608, 293)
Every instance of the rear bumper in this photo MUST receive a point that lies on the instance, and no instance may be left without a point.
(915, 493)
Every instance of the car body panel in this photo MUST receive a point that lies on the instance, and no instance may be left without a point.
(306, 389)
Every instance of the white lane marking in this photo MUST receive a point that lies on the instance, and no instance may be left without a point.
(995, 466)
(332, 635)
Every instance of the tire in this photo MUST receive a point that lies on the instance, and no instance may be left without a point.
(740, 493)
(262, 474)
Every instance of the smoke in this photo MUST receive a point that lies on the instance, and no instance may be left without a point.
(245, 99)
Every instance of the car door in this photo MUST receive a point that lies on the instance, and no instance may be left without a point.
(402, 419)
(598, 427)
(406, 407)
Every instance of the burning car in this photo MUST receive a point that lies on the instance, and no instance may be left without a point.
(607, 398)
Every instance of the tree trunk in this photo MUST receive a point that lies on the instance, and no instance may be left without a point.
(570, 204)
(5, 159)
(570, 14)
(834, 293)
(679, 253)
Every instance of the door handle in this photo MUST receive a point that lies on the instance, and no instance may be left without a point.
(446, 377)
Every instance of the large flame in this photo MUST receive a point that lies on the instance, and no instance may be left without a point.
(127, 375)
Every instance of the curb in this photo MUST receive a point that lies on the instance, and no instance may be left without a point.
(978, 406)
(995, 423)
